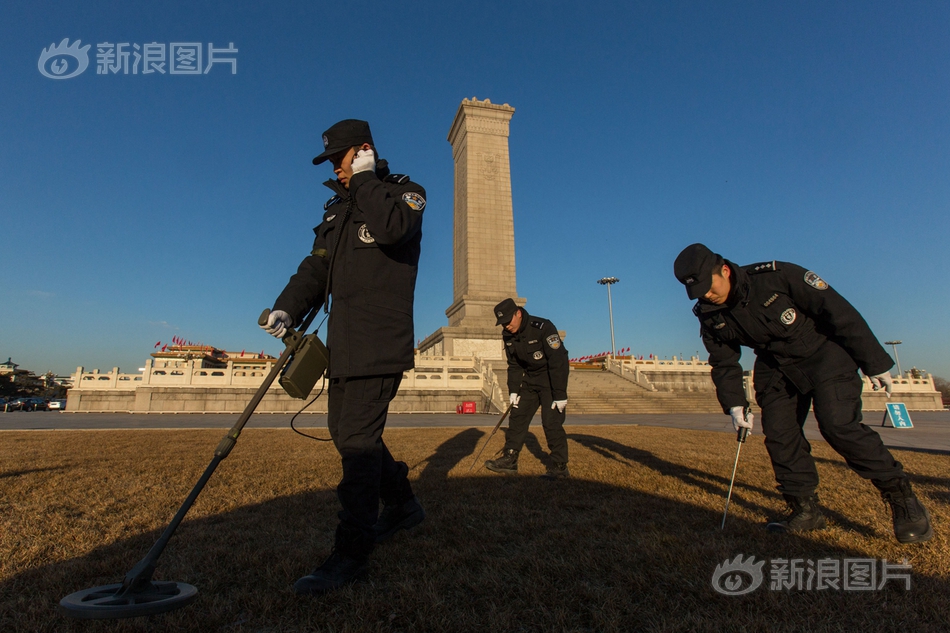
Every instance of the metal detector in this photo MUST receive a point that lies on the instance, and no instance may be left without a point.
(741, 434)
(493, 431)
(138, 594)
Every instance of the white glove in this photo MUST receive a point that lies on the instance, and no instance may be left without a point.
(514, 399)
(883, 381)
(740, 419)
(277, 323)
(560, 405)
(365, 160)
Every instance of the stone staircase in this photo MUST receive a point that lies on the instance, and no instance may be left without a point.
(593, 392)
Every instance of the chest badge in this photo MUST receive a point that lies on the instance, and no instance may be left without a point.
(719, 326)
(330, 218)
(365, 236)
(788, 317)
(538, 355)
(813, 280)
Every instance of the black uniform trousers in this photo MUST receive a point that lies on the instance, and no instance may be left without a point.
(837, 406)
(552, 421)
(357, 410)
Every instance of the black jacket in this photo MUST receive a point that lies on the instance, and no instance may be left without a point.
(797, 324)
(536, 355)
(377, 224)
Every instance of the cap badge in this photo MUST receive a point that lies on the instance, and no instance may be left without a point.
(326, 142)
(689, 280)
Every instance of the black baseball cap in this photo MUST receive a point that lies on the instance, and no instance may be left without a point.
(694, 267)
(344, 135)
(505, 311)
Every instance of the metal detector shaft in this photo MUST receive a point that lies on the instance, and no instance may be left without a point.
(740, 438)
(494, 430)
(142, 572)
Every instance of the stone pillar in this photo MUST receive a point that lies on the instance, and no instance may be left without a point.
(484, 235)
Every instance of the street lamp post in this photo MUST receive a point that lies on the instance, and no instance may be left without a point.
(894, 344)
(607, 281)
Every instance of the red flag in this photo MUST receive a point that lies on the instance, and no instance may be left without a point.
(242, 353)
(157, 344)
(163, 347)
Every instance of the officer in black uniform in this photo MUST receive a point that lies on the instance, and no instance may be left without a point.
(809, 343)
(365, 256)
(538, 369)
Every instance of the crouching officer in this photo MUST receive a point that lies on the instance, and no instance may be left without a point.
(809, 343)
(365, 256)
(538, 369)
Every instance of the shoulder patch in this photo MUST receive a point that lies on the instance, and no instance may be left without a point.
(763, 267)
(333, 200)
(399, 179)
(553, 341)
(414, 200)
(813, 280)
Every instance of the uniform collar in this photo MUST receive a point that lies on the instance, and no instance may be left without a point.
(741, 286)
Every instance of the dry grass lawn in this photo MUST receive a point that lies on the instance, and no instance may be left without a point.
(630, 543)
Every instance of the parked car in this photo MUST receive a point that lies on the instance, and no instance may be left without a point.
(28, 404)
(57, 404)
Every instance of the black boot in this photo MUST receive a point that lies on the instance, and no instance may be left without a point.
(804, 514)
(911, 518)
(398, 516)
(557, 470)
(507, 463)
(347, 562)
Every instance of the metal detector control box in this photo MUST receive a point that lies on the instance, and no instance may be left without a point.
(308, 364)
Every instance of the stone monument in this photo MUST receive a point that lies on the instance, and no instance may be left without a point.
(484, 234)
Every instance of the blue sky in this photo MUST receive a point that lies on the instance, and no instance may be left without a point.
(140, 207)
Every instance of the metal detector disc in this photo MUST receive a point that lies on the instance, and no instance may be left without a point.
(107, 603)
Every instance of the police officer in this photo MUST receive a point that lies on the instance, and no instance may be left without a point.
(538, 369)
(365, 257)
(809, 343)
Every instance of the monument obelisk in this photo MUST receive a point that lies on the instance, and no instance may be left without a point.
(484, 234)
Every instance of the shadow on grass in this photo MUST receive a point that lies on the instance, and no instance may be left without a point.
(495, 553)
(714, 484)
(32, 471)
